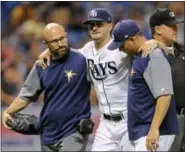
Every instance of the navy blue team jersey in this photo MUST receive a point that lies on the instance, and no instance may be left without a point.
(66, 95)
(150, 77)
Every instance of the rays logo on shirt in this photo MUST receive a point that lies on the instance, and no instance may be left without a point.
(102, 70)
(69, 74)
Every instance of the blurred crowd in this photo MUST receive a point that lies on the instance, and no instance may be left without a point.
(22, 24)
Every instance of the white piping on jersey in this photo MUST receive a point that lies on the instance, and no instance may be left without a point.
(97, 52)
(105, 92)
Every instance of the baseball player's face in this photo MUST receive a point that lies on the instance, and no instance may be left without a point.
(129, 46)
(169, 33)
(99, 30)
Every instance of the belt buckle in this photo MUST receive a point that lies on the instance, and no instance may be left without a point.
(111, 118)
(182, 112)
(120, 116)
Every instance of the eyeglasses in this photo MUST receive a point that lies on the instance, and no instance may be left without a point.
(56, 41)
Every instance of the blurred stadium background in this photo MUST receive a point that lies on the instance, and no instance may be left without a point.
(21, 44)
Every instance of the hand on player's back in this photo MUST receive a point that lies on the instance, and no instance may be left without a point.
(42, 57)
(151, 45)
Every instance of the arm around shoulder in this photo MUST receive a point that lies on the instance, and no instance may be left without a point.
(46, 55)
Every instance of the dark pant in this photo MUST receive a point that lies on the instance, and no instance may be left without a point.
(73, 142)
(178, 138)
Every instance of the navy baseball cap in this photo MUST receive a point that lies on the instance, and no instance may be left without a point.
(122, 31)
(163, 16)
(98, 14)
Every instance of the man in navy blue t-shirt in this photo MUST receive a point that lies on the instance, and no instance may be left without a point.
(152, 120)
(66, 94)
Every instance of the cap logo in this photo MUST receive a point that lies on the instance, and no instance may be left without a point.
(172, 14)
(93, 13)
(126, 36)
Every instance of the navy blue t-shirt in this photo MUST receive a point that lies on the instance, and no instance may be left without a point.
(150, 77)
(66, 95)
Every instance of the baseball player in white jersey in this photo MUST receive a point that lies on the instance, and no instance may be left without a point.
(108, 72)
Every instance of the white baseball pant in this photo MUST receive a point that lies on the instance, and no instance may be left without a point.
(112, 136)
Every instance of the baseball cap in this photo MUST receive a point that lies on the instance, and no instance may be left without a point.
(98, 14)
(163, 16)
(122, 31)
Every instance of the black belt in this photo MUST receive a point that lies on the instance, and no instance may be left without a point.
(114, 117)
(180, 111)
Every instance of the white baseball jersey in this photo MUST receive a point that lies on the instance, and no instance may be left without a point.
(108, 72)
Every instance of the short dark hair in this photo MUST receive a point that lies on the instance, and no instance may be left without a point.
(152, 31)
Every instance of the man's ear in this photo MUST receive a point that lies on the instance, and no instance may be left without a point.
(65, 34)
(157, 30)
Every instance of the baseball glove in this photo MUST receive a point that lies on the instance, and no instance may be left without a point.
(151, 45)
(24, 124)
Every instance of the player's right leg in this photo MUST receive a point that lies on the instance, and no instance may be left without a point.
(103, 140)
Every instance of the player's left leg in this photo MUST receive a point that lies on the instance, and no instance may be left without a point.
(111, 135)
(103, 140)
(125, 144)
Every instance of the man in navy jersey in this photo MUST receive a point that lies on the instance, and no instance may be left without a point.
(66, 90)
(152, 120)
